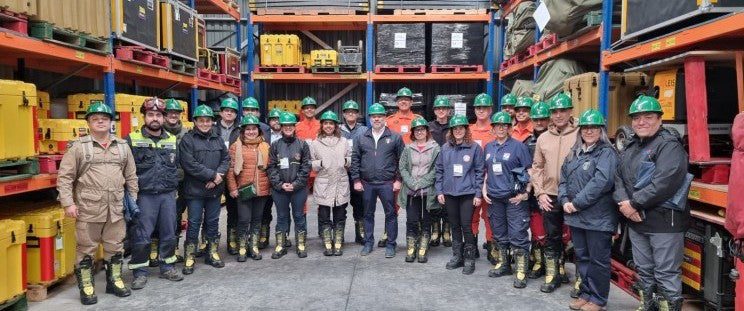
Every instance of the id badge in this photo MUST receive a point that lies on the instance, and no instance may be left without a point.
(404, 128)
(284, 163)
(497, 169)
(457, 170)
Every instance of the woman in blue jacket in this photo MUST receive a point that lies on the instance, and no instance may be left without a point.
(585, 192)
(506, 160)
(459, 181)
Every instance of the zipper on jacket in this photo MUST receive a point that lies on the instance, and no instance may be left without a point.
(672, 218)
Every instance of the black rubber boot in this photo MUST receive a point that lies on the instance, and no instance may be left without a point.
(338, 238)
(301, 239)
(522, 260)
(327, 241)
(86, 282)
(562, 269)
(383, 240)
(242, 248)
(280, 250)
(410, 248)
(254, 250)
(287, 242)
(189, 258)
(154, 253)
(202, 247)
(423, 248)
(469, 264)
(436, 236)
(232, 241)
(648, 302)
(477, 253)
(114, 283)
(456, 261)
(213, 255)
(538, 266)
(359, 232)
(491, 253)
(446, 234)
(263, 239)
(552, 279)
(576, 290)
(503, 264)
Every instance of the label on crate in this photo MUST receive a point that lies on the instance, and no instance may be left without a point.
(400, 40)
(456, 40)
(177, 15)
(150, 5)
(461, 108)
(59, 243)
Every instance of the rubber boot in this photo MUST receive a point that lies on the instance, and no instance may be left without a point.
(114, 283)
(436, 236)
(338, 238)
(255, 248)
(423, 247)
(242, 248)
(189, 258)
(647, 301)
(576, 290)
(552, 279)
(280, 249)
(522, 261)
(493, 253)
(154, 253)
(447, 234)
(301, 239)
(538, 266)
(562, 269)
(477, 253)
(287, 242)
(232, 241)
(86, 282)
(327, 241)
(667, 302)
(469, 263)
(383, 240)
(213, 255)
(202, 247)
(263, 239)
(503, 265)
(456, 261)
(410, 247)
(359, 232)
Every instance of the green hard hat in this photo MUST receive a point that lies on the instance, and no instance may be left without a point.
(275, 113)
(501, 117)
(442, 102)
(540, 110)
(329, 116)
(509, 100)
(404, 92)
(483, 100)
(99, 107)
(561, 101)
(376, 109)
(172, 105)
(458, 120)
(645, 104)
(307, 101)
(287, 118)
(250, 103)
(591, 117)
(249, 120)
(350, 104)
(203, 111)
(419, 121)
(524, 102)
(229, 103)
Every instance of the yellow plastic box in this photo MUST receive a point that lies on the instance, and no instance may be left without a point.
(323, 58)
(17, 103)
(12, 240)
(280, 50)
(54, 134)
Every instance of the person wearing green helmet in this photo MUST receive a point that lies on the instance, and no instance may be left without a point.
(377, 176)
(309, 126)
(173, 124)
(250, 107)
(417, 196)
(482, 133)
(523, 126)
(507, 104)
(400, 121)
(96, 220)
(248, 182)
(585, 194)
(459, 187)
(331, 155)
(289, 170)
(505, 190)
(352, 130)
(229, 130)
(656, 227)
(205, 160)
(441, 231)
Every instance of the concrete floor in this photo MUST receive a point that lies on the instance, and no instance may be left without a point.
(349, 282)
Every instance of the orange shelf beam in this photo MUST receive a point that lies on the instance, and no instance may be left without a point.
(304, 22)
(708, 217)
(150, 76)
(716, 195)
(209, 85)
(429, 76)
(729, 26)
(216, 7)
(18, 46)
(37, 182)
(430, 18)
(309, 77)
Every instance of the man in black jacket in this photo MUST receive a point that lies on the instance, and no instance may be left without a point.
(438, 128)
(289, 169)
(656, 230)
(377, 176)
(227, 128)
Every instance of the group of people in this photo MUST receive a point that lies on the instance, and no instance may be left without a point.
(537, 177)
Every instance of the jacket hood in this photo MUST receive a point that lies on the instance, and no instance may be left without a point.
(429, 145)
(329, 141)
(569, 129)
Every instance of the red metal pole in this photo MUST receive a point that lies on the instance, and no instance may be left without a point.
(697, 109)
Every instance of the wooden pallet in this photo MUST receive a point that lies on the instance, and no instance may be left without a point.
(292, 11)
(48, 32)
(49, 164)
(544, 44)
(40, 292)
(350, 69)
(400, 69)
(16, 169)
(14, 21)
(280, 69)
(209, 75)
(439, 11)
(17, 303)
(324, 69)
(183, 66)
(456, 68)
(140, 55)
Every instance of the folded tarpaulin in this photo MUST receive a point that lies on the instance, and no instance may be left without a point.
(552, 75)
(567, 16)
(523, 88)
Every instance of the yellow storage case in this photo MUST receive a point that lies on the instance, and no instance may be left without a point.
(323, 58)
(44, 106)
(280, 50)
(306, 60)
(17, 103)
(12, 240)
(666, 82)
(54, 134)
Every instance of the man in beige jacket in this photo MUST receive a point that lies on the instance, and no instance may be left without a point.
(93, 175)
(550, 151)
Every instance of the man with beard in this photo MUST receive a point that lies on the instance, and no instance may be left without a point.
(154, 153)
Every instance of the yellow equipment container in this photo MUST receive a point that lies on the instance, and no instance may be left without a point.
(12, 267)
(666, 82)
(77, 104)
(20, 6)
(136, 22)
(54, 134)
(17, 103)
(44, 106)
(323, 58)
(280, 50)
(623, 88)
(306, 60)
